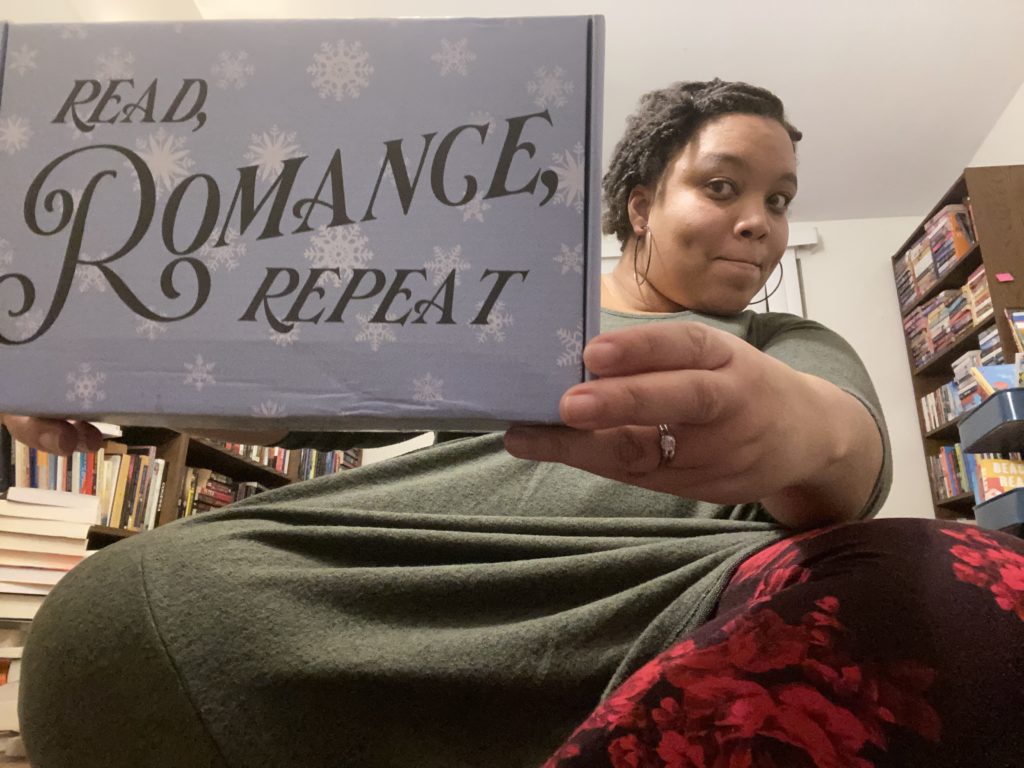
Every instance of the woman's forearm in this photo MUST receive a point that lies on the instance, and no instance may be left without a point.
(844, 460)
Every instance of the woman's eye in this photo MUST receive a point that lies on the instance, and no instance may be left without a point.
(720, 188)
(779, 202)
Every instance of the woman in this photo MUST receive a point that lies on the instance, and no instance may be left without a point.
(462, 607)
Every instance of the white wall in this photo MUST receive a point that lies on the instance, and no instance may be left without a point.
(373, 455)
(848, 286)
(1004, 144)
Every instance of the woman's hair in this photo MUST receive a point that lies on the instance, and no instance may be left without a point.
(662, 125)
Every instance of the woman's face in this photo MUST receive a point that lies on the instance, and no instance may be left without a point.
(718, 214)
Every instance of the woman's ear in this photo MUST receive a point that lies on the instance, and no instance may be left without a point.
(639, 208)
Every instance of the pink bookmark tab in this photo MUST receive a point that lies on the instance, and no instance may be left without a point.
(1004, 277)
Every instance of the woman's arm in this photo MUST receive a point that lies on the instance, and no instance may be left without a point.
(748, 426)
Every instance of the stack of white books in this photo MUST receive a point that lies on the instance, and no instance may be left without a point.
(43, 535)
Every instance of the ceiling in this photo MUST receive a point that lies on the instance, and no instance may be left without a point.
(894, 96)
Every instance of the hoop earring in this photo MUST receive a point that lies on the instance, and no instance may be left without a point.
(640, 282)
(782, 274)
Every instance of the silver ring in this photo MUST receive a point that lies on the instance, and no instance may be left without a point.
(667, 443)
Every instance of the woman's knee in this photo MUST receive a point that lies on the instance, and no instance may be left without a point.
(98, 686)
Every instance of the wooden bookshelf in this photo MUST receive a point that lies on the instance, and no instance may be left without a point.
(181, 450)
(997, 199)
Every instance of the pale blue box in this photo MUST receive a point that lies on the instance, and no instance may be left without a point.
(338, 224)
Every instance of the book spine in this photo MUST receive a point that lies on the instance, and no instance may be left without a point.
(6, 459)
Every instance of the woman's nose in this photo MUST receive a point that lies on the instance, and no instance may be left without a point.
(753, 223)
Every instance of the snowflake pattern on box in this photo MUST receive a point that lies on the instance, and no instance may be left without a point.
(444, 262)
(269, 151)
(498, 320)
(150, 329)
(77, 134)
(6, 253)
(344, 248)
(550, 87)
(572, 346)
(23, 59)
(89, 277)
(474, 209)
(454, 57)
(168, 160)
(570, 167)
(374, 333)
(340, 70)
(285, 339)
(85, 385)
(14, 134)
(74, 32)
(199, 373)
(482, 117)
(269, 408)
(115, 65)
(227, 256)
(427, 389)
(571, 259)
(232, 70)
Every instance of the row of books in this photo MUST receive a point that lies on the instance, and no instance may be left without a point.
(276, 458)
(204, 489)
(948, 236)
(972, 382)
(979, 299)
(990, 476)
(953, 472)
(936, 324)
(313, 463)
(129, 481)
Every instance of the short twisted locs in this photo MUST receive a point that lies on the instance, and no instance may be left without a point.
(662, 124)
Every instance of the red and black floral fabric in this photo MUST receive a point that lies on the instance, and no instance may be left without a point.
(886, 643)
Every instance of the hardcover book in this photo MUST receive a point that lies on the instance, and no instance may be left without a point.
(371, 224)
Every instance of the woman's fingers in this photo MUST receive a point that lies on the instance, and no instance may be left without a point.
(680, 397)
(669, 346)
(89, 438)
(630, 455)
(53, 435)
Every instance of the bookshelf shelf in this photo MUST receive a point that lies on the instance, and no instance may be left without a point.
(963, 500)
(102, 535)
(202, 452)
(954, 277)
(994, 196)
(945, 432)
(942, 359)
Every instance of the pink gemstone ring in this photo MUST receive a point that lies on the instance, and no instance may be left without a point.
(667, 443)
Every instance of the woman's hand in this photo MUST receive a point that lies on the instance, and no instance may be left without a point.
(53, 435)
(747, 426)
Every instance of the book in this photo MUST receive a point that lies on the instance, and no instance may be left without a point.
(39, 527)
(20, 607)
(41, 576)
(367, 244)
(999, 476)
(155, 494)
(54, 545)
(1015, 319)
(50, 505)
(991, 378)
(19, 588)
(19, 558)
